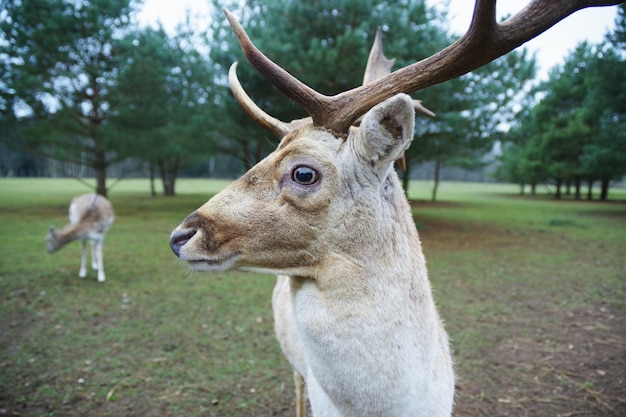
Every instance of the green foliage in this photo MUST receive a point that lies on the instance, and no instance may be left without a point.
(470, 112)
(162, 102)
(59, 62)
(618, 36)
(576, 131)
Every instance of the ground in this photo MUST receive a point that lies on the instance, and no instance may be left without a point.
(571, 365)
(532, 293)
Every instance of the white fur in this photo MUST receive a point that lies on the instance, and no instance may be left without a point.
(91, 216)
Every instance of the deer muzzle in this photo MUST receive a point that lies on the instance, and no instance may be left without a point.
(179, 238)
(196, 242)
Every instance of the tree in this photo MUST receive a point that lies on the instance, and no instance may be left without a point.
(521, 160)
(59, 63)
(470, 112)
(576, 131)
(618, 36)
(161, 102)
(563, 119)
(603, 157)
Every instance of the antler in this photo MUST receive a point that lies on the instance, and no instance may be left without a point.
(276, 126)
(485, 40)
(378, 66)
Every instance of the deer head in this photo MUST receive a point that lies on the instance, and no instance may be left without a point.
(52, 241)
(310, 191)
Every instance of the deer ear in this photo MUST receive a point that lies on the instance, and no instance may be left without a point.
(386, 132)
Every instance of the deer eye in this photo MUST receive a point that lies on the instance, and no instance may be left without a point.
(305, 175)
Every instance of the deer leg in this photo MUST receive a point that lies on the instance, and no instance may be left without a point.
(100, 266)
(300, 394)
(83, 259)
(94, 255)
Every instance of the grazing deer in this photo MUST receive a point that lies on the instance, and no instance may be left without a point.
(91, 216)
(325, 212)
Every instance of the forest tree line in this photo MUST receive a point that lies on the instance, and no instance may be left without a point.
(83, 84)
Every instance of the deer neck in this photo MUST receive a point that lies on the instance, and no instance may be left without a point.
(374, 259)
(372, 311)
(72, 232)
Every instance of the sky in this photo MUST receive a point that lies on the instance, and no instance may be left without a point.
(551, 47)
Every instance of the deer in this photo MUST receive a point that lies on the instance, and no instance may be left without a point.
(91, 217)
(325, 212)
(378, 65)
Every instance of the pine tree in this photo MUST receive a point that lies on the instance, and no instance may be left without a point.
(58, 57)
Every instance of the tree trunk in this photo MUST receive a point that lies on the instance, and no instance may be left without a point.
(533, 189)
(152, 177)
(405, 177)
(522, 188)
(577, 183)
(604, 190)
(590, 190)
(559, 184)
(168, 175)
(436, 181)
(169, 187)
(100, 167)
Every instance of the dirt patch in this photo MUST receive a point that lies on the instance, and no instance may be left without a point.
(552, 363)
(545, 357)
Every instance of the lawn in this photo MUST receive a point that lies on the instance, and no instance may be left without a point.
(532, 291)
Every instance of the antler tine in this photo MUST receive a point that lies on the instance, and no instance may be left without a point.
(277, 127)
(274, 125)
(379, 66)
(419, 107)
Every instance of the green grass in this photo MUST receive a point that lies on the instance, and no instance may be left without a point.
(158, 340)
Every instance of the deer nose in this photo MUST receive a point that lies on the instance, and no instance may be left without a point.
(179, 238)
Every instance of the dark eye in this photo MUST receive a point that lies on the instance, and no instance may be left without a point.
(304, 175)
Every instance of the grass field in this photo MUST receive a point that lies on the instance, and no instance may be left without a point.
(533, 292)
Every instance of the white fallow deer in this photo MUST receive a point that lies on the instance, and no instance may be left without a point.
(91, 216)
(377, 67)
(326, 212)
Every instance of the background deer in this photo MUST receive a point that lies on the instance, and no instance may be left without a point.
(326, 212)
(91, 216)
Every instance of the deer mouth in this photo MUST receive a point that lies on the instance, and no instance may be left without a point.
(214, 263)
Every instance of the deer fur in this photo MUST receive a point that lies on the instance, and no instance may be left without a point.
(287, 335)
(357, 305)
(91, 216)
